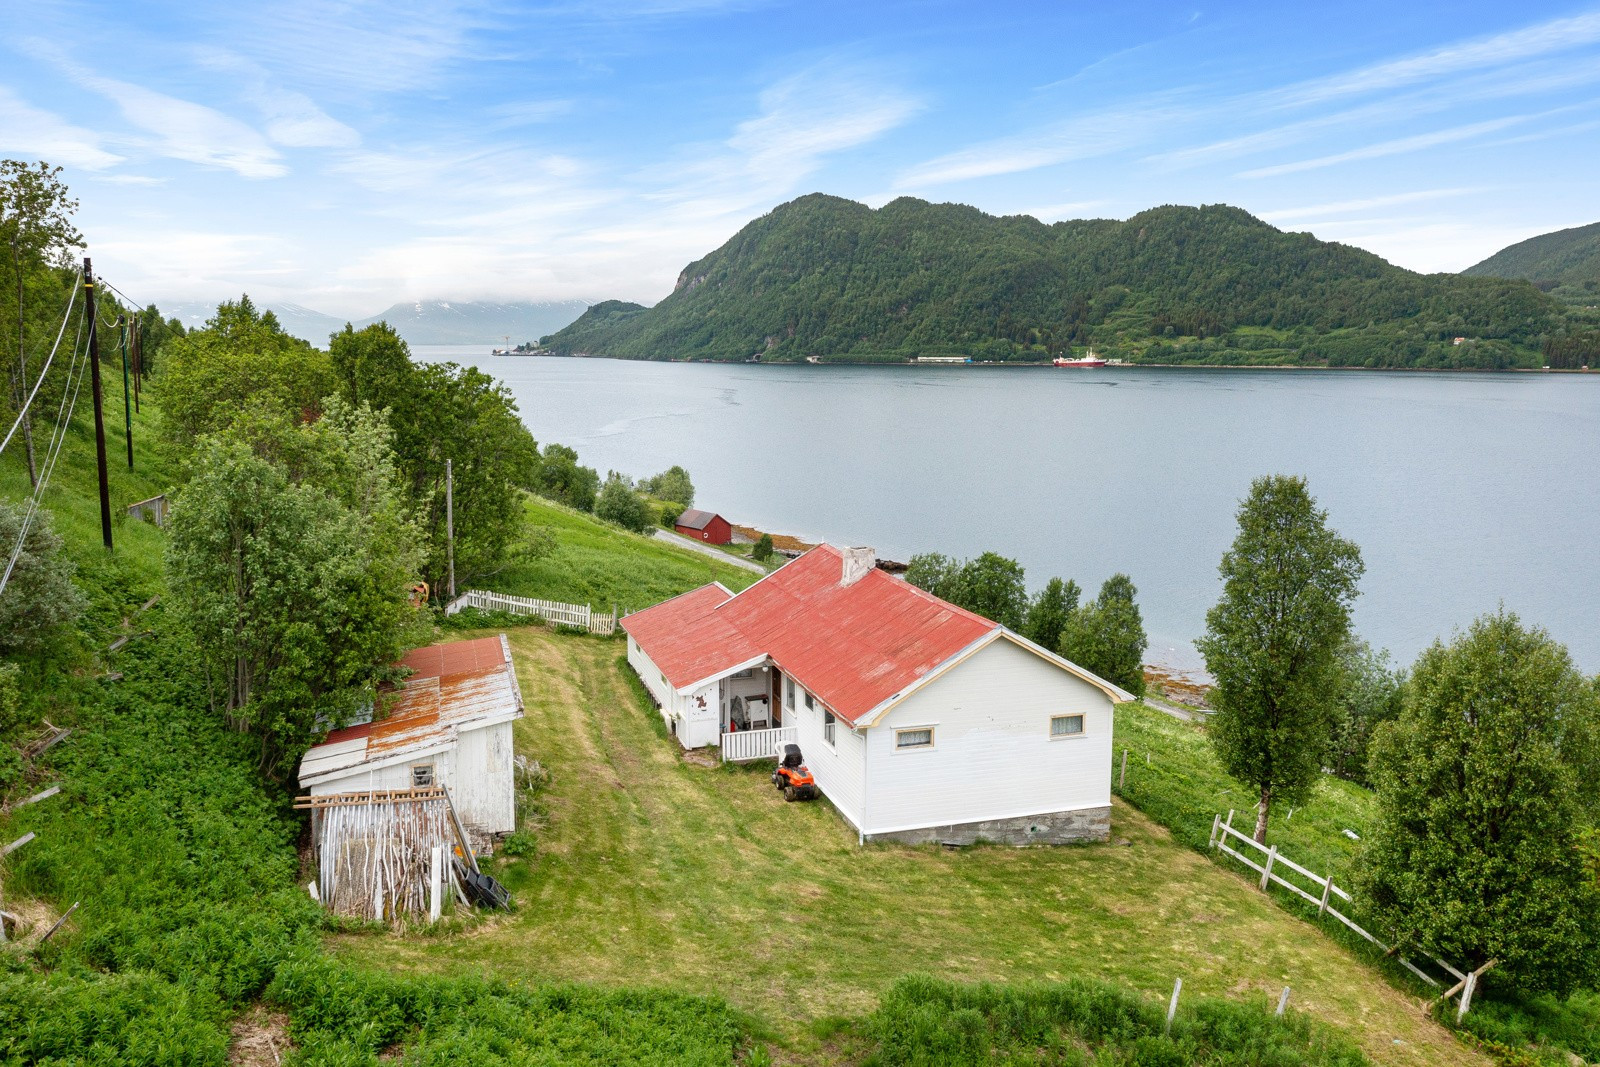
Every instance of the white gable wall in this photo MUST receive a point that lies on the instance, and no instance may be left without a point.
(992, 757)
(481, 780)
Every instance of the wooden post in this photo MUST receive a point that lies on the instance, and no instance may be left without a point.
(48, 933)
(1327, 890)
(1466, 994)
(450, 521)
(1216, 824)
(1266, 875)
(91, 320)
(1172, 1009)
(127, 410)
(1283, 1002)
(1124, 779)
(435, 883)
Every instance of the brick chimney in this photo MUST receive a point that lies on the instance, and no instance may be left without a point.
(858, 563)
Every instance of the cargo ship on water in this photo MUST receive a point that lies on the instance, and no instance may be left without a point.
(1091, 360)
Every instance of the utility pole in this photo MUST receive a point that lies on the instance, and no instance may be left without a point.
(138, 357)
(127, 411)
(99, 400)
(21, 386)
(450, 521)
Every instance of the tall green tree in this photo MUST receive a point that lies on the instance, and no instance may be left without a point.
(38, 238)
(294, 580)
(993, 586)
(1107, 635)
(242, 364)
(620, 503)
(937, 574)
(1488, 789)
(671, 484)
(1274, 640)
(563, 479)
(1369, 695)
(1049, 612)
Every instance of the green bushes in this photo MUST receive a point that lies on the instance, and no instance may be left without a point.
(116, 1019)
(928, 1021)
(345, 1016)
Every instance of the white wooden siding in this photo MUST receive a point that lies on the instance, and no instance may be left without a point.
(992, 756)
(838, 768)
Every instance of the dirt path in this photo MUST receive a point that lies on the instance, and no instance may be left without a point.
(707, 550)
(657, 871)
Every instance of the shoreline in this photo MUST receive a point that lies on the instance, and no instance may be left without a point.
(1021, 365)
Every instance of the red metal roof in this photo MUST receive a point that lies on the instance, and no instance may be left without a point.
(852, 646)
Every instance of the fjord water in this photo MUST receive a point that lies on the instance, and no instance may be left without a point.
(1464, 491)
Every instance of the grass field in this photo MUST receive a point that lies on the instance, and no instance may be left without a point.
(603, 565)
(653, 870)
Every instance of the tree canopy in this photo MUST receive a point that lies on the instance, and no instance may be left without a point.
(1107, 635)
(1274, 640)
(1488, 788)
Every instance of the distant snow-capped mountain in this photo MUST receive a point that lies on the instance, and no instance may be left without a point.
(426, 322)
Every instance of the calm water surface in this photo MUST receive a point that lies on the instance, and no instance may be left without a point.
(1463, 491)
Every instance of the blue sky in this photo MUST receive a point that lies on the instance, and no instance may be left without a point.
(344, 155)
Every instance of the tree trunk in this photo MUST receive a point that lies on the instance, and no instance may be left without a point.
(1262, 811)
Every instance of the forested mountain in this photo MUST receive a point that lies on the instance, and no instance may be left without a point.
(1565, 263)
(826, 277)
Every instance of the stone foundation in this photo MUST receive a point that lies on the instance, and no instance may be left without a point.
(1053, 828)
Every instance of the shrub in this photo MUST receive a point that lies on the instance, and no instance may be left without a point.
(763, 550)
(620, 503)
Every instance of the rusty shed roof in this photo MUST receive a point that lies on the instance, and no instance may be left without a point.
(455, 685)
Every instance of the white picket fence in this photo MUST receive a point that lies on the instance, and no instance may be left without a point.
(742, 746)
(581, 616)
(1322, 896)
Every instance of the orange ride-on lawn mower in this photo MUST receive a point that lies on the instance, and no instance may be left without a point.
(792, 776)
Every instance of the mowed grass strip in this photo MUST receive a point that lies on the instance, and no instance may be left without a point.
(603, 565)
(655, 871)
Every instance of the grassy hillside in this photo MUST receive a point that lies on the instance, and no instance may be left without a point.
(822, 276)
(603, 565)
(1565, 263)
(652, 868)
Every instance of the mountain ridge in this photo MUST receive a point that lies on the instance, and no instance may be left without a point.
(1564, 263)
(827, 278)
(419, 322)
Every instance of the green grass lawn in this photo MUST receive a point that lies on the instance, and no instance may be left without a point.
(603, 565)
(1175, 778)
(654, 870)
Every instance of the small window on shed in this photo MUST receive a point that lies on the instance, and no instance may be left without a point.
(422, 776)
(1066, 726)
(920, 737)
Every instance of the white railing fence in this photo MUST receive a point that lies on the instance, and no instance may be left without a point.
(1324, 895)
(743, 746)
(554, 611)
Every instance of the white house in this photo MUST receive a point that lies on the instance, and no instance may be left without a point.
(448, 724)
(921, 721)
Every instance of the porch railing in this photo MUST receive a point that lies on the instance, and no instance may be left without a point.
(745, 745)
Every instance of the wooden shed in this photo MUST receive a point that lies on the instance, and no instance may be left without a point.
(705, 526)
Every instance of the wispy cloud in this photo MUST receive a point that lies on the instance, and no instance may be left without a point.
(292, 118)
(28, 131)
(1340, 207)
(1398, 146)
(527, 113)
(1544, 38)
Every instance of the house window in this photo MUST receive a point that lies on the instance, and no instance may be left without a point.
(788, 693)
(917, 737)
(827, 726)
(810, 704)
(1066, 726)
(422, 776)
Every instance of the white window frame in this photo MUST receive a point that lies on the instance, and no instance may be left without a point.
(788, 692)
(432, 772)
(811, 702)
(1083, 726)
(929, 729)
(829, 726)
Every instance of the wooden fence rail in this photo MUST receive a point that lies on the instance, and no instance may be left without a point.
(581, 616)
(1321, 896)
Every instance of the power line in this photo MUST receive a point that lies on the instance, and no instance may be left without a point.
(58, 437)
(71, 300)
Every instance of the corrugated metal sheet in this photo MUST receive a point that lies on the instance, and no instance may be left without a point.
(453, 685)
(852, 646)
